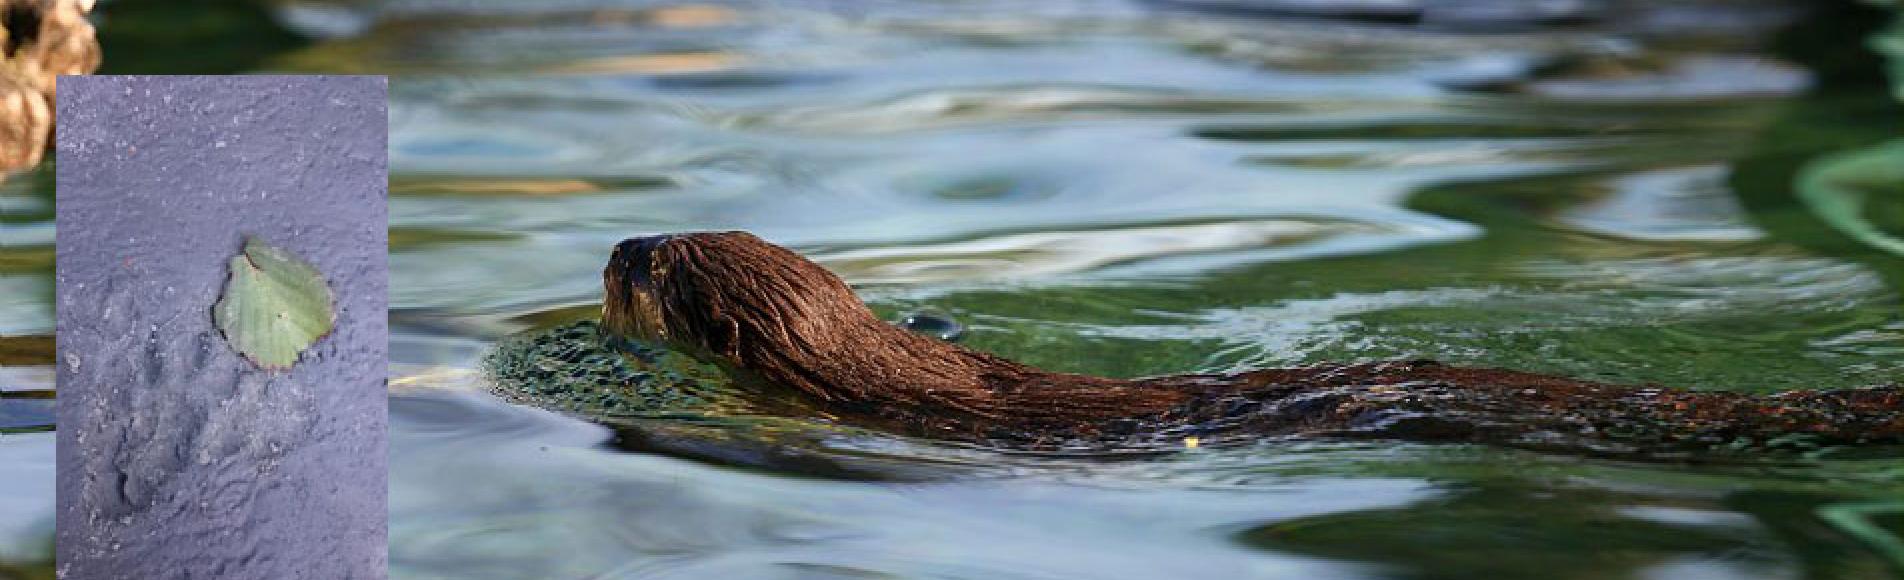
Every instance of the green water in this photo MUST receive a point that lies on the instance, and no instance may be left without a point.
(1126, 189)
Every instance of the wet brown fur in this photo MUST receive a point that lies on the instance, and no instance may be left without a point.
(769, 315)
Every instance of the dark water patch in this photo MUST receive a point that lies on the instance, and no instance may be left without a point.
(1621, 73)
(26, 412)
(785, 455)
(578, 17)
(1464, 15)
(225, 36)
(742, 80)
(1397, 12)
(403, 238)
(1538, 156)
(26, 197)
(1794, 136)
(980, 188)
(1695, 78)
(1860, 194)
(28, 570)
(1407, 129)
(520, 186)
(26, 259)
(1352, 161)
(1645, 201)
(1835, 536)
(562, 42)
(1665, 120)
(31, 350)
(1505, 532)
(559, 315)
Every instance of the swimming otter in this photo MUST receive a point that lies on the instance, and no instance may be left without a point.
(768, 316)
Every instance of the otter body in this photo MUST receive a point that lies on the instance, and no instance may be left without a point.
(774, 320)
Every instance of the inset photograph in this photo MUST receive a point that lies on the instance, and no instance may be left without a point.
(221, 296)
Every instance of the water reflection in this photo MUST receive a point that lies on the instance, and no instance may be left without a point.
(26, 373)
(729, 522)
(1690, 204)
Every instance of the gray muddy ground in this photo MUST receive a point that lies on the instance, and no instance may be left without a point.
(177, 458)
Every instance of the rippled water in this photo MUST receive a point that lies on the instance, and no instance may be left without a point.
(1127, 189)
(1117, 189)
(26, 372)
(1120, 189)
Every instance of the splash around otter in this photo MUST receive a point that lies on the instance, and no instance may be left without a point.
(775, 320)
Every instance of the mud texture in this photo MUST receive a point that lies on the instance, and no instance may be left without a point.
(177, 457)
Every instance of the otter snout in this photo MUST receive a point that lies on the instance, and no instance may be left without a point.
(628, 307)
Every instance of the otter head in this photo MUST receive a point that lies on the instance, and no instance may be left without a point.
(731, 295)
(629, 308)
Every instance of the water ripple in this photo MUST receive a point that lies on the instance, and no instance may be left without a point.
(1050, 253)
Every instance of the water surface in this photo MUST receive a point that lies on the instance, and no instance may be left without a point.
(1128, 189)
